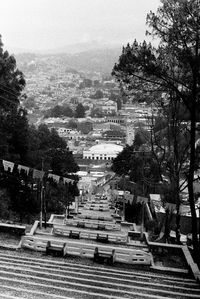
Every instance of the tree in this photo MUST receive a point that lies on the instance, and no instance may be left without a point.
(12, 81)
(116, 97)
(86, 83)
(13, 120)
(97, 95)
(72, 124)
(14, 135)
(139, 165)
(171, 68)
(141, 137)
(59, 111)
(97, 83)
(22, 200)
(21, 143)
(169, 146)
(119, 104)
(30, 102)
(62, 162)
(80, 111)
(56, 111)
(67, 111)
(96, 112)
(41, 142)
(121, 164)
(18, 129)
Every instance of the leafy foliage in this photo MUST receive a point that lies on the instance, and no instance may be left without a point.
(46, 146)
(59, 111)
(62, 161)
(86, 83)
(139, 165)
(169, 72)
(80, 111)
(97, 95)
(26, 145)
(12, 81)
(96, 112)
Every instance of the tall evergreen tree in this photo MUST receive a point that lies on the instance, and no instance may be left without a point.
(13, 122)
(80, 111)
(171, 68)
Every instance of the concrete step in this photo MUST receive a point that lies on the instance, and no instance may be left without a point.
(23, 275)
(88, 271)
(91, 279)
(66, 288)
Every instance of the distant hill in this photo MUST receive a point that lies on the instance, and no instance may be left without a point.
(80, 47)
(94, 60)
(101, 60)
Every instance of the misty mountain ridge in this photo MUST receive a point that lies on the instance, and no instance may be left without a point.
(77, 48)
(96, 60)
(93, 60)
(73, 48)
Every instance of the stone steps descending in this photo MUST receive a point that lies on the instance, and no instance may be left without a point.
(86, 271)
(24, 275)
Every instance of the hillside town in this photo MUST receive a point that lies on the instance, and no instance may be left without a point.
(115, 119)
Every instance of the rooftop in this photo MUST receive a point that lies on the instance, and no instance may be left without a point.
(106, 147)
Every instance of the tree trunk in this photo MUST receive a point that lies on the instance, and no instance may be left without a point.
(190, 184)
(178, 216)
(167, 227)
(194, 101)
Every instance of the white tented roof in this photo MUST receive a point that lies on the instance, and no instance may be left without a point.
(106, 148)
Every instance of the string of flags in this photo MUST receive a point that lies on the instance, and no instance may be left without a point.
(36, 174)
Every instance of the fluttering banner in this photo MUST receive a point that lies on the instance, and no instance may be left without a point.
(36, 174)
(54, 177)
(170, 206)
(25, 168)
(141, 199)
(8, 165)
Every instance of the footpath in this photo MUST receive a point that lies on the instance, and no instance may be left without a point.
(90, 255)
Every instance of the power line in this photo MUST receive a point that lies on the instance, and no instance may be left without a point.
(4, 90)
(5, 86)
(14, 103)
(8, 92)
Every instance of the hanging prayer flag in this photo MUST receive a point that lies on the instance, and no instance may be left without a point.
(142, 199)
(25, 168)
(170, 206)
(38, 174)
(66, 180)
(8, 165)
(129, 198)
(54, 177)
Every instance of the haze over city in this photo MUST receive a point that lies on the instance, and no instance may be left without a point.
(42, 25)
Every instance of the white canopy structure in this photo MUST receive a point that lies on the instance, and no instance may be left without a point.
(104, 151)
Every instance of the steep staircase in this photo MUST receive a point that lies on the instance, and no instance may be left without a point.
(33, 275)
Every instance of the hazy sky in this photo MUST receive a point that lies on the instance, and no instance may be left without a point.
(48, 24)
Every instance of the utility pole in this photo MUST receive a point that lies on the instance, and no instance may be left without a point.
(124, 199)
(41, 197)
(142, 224)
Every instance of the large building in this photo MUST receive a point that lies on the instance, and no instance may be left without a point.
(104, 151)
